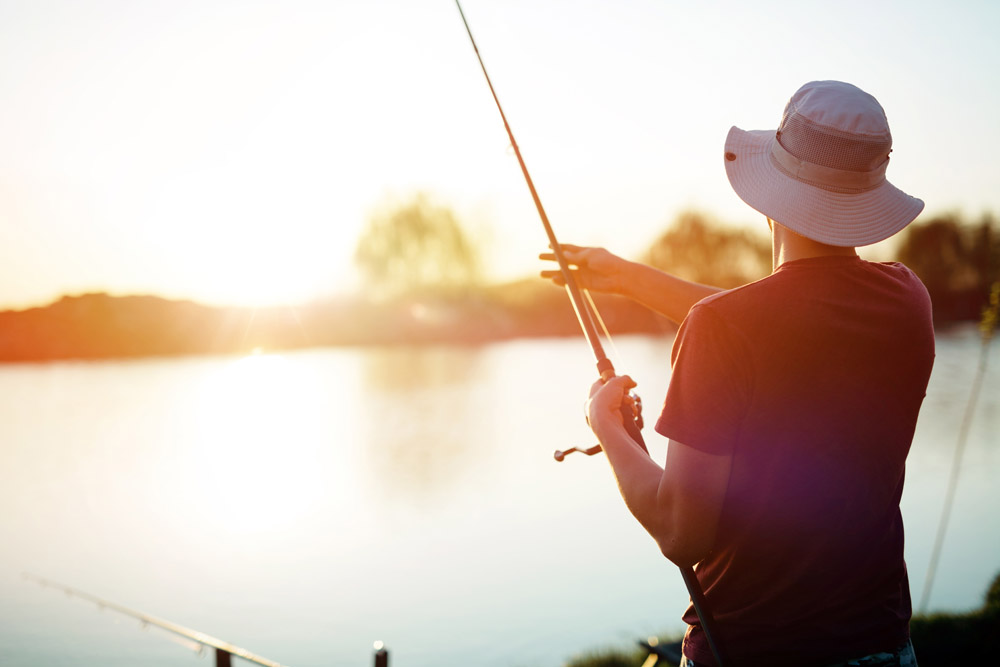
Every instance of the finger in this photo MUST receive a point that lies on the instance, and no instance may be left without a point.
(618, 390)
(624, 381)
(571, 256)
(611, 393)
(568, 250)
(575, 254)
(555, 276)
(569, 247)
(550, 257)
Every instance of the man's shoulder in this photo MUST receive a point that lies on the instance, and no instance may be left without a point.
(736, 297)
(900, 272)
(806, 276)
(819, 288)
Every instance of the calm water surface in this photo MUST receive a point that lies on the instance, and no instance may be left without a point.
(307, 504)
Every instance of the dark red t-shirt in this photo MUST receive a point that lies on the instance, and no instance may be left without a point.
(811, 380)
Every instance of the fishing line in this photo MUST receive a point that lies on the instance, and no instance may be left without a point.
(600, 321)
(987, 327)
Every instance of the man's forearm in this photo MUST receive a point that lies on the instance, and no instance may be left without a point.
(663, 293)
(638, 478)
(679, 505)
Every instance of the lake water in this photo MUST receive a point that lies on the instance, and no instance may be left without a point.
(304, 505)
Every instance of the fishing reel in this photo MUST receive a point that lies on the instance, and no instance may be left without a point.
(635, 402)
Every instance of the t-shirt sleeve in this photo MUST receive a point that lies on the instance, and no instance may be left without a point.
(710, 386)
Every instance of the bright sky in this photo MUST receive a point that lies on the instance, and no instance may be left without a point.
(229, 151)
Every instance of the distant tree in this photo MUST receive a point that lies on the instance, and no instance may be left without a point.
(956, 261)
(416, 246)
(697, 248)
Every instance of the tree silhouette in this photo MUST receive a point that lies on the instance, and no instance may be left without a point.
(957, 262)
(696, 248)
(416, 247)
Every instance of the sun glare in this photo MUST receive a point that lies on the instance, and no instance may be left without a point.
(257, 465)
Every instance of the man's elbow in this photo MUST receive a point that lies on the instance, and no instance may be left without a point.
(681, 541)
(681, 552)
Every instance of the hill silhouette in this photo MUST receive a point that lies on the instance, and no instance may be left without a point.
(956, 260)
(100, 326)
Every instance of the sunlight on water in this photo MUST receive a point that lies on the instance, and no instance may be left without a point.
(255, 458)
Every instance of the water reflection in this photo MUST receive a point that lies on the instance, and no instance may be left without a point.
(405, 368)
(427, 408)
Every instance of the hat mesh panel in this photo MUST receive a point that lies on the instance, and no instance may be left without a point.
(827, 147)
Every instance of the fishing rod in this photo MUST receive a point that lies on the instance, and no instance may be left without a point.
(193, 639)
(604, 365)
(223, 650)
(197, 641)
(583, 311)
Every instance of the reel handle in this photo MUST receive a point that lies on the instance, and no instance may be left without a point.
(559, 455)
(631, 418)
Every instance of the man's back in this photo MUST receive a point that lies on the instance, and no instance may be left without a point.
(811, 380)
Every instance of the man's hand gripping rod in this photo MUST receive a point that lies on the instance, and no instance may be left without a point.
(580, 306)
(604, 366)
(635, 414)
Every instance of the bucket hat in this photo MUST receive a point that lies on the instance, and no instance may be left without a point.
(822, 172)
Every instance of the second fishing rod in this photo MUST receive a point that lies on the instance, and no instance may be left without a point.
(604, 365)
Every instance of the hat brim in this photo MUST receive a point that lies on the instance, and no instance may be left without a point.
(834, 218)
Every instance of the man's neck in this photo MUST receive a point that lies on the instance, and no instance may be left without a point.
(787, 246)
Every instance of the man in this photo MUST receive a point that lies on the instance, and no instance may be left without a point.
(792, 401)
